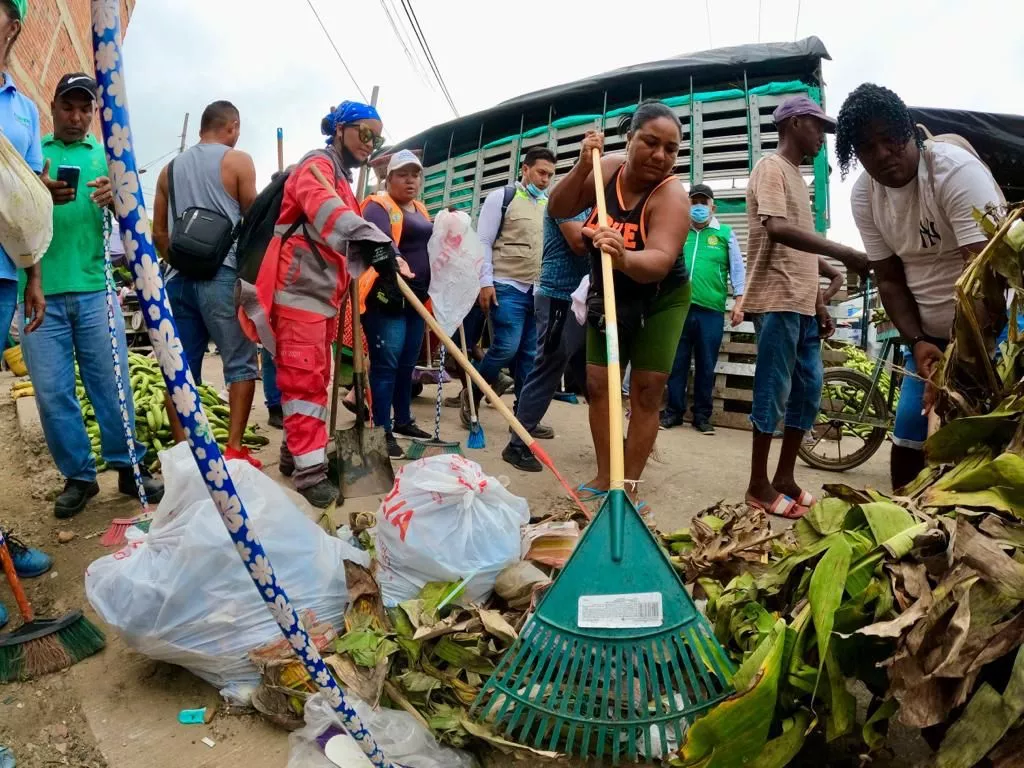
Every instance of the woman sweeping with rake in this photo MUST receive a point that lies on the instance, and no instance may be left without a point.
(649, 215)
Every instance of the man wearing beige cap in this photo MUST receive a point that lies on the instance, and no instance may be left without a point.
(782, 287)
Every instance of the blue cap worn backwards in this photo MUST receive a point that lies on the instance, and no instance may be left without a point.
(345, 113)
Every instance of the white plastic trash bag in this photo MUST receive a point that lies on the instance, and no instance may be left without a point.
(181, 594)
(455, 256)
(579, 300)
(26, 209)
(443, 521)
(402, 740)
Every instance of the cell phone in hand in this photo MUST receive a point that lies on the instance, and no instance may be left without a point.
(70, 175)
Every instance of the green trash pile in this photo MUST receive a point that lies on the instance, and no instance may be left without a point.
(915, 602)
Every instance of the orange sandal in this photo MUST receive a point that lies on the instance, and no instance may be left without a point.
(783, 506)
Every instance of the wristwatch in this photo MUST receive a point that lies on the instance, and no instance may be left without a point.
(916, 340)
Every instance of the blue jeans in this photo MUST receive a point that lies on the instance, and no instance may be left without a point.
(204, 310)
(559, 337)
(394, 342)
(271, 394)
(75, 326)
(8, 303)
(700, 340)
(910, 428)
(514, 345)
(787, 378)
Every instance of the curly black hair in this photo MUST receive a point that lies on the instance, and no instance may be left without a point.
(868, 104)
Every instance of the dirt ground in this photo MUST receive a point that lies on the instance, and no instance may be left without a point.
(119, 709)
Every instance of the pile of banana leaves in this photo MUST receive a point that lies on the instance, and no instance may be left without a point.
(880, 608)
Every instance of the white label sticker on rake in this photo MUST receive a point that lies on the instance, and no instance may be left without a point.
(641, 609)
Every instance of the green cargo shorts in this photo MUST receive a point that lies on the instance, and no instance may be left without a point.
(652, 347)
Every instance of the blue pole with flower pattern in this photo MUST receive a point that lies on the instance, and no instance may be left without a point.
(163, 334)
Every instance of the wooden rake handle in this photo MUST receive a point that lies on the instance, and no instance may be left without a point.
(611, 335)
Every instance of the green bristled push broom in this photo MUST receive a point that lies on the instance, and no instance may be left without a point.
(617, 660)
(41, 646)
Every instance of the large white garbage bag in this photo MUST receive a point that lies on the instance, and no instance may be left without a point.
(182, 595)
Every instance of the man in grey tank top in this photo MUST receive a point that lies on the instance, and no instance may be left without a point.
(214, 175)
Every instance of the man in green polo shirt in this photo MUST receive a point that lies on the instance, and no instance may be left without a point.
(75, 325)
(711, 254)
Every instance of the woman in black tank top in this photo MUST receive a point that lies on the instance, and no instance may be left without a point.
(649, 216)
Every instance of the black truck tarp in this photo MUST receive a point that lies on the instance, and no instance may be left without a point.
(998, 140)
(720, 67)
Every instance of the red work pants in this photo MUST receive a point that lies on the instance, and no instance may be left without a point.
(303, 363)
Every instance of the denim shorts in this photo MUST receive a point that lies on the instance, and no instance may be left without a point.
(205, 310)
(911, 427)
(787, 379)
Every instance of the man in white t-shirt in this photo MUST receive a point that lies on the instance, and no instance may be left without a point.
(914, 209)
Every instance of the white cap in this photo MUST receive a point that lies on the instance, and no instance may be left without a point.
(401, 159)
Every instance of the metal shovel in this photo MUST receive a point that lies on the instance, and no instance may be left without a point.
(364, 467)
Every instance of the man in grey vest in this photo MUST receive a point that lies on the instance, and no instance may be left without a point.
(513, 243)
(213, 175)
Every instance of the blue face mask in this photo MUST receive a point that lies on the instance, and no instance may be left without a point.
(700, 213)
(534, 192)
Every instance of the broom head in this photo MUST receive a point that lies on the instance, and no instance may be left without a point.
(423, 449)
(617, 660)
(47, 645)
(476, 439)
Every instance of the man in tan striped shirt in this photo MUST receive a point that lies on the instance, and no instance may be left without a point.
(782, 289)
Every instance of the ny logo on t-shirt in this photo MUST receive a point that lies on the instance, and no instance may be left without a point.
(929, 235)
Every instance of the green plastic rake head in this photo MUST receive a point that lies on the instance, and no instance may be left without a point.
(617, 660)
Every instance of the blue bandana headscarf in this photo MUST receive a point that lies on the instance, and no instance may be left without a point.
(344, 113)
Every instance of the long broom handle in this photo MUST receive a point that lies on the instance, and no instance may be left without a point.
(452, 347)
(132, 217)
(611, 335)
(469, 383)
(474, 374)
(24, 606)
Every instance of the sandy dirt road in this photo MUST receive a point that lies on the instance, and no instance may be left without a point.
(119, 709)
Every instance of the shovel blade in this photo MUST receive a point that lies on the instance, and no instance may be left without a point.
(363, 461)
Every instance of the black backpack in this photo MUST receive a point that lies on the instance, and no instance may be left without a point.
(256, 229)
(507, 194)
(201, 238)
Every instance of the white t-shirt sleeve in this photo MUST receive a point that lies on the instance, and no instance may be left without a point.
(970, 186)
(863, 216)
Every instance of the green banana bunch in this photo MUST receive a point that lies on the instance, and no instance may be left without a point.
(152, 424)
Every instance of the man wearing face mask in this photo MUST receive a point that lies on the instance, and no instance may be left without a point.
(711, 253)
(512, 234)
(302, 282)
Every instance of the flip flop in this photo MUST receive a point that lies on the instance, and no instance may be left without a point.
(783, 506)
(806, 500)
(592, 494)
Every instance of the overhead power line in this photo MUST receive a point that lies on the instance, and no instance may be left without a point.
(340, 57)
(403, 40)
(410, 14)
(796, 26)
(707, 13)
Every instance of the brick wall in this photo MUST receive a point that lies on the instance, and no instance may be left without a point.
(57, 39)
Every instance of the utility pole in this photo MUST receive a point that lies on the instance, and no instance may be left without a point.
(361, 184)
(184, 134)
(280, 149)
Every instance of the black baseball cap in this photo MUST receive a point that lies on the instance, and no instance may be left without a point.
(702, 189)
(76, 81)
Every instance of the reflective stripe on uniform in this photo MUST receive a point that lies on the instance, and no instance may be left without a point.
(304, 408)
(311, 459)
(325, 211)
(350, 227)
(305, 303)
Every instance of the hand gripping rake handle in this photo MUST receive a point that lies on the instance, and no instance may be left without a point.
(134, 222)
(611, 336)
(122, 397)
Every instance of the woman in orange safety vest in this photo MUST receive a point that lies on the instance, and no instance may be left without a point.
(394, 331)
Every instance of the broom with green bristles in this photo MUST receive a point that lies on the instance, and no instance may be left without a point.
(41, 646)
